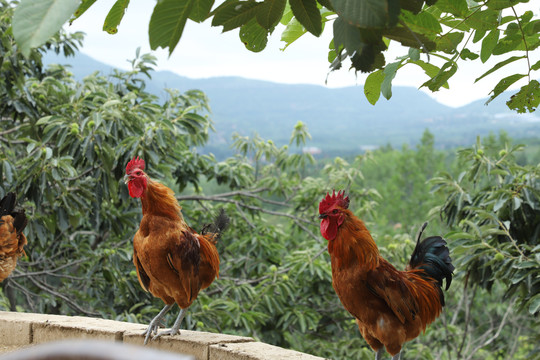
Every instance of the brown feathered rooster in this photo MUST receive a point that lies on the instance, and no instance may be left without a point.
(390, 306)
(173, 262)
(12, 240)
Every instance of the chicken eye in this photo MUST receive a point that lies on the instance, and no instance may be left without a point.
(335, 211)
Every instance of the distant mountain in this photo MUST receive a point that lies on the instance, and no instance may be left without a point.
(339, 120)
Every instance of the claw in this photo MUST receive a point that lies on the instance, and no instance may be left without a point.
(154, 325)
(166, 332)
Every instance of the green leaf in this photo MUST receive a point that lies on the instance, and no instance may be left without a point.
(488, 44)
(347, 36)
(389, 74)
(500, 65)
(468, 54)
(407, 38)
(430, 70)
(455, 7)
(234, 14)
(483, 20)
(536, 66)
(507, 44)
(201, 10)
(424, 23)
(449, 42)
(115, 15)
(270, 12)
(368, 13)
(501, 4)
(85, 5)
(292, 32)
(445, 73)
(504, 84)
(372, 86)
(534, 305)
(167, 23)
(414, 54)
(35, 21)
(253, 36)
(527, 99)
(308, 14)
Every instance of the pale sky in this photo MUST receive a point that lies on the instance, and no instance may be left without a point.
(203, 51)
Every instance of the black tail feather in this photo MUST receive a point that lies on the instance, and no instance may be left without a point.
(220, 224)
(433, 256)
(7, 204)
(7, 207)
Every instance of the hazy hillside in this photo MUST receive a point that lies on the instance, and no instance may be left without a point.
(339, 119)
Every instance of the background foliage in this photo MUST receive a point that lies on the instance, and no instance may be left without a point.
(64, 145)
(362, 30)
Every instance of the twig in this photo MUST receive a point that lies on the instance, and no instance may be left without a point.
(68, 301)
(497, 333)
(524, 43)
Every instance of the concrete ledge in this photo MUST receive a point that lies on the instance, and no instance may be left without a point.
(24, 329)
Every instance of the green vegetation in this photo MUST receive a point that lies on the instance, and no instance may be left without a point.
(440, 34)
(64, 145)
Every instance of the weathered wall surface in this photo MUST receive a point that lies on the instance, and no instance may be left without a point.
(23, 329)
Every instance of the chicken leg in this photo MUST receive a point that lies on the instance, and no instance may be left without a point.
(155, 323)
(176, 327)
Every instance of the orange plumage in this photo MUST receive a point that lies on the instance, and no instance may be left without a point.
(12, 240)
(173, 262)
(390, 306)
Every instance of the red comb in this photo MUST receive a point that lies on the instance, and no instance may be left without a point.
(330, 200)
(136, 162)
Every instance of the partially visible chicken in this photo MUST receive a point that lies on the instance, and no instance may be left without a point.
(12, 240)
(173, 261)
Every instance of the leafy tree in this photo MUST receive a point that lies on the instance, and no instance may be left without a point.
(65, 158)
(495, 204)
(444, 30)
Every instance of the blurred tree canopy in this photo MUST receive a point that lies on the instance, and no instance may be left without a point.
(64, 145)
(440, 34)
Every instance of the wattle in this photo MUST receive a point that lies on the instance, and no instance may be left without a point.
(329, 228)
(135, 190)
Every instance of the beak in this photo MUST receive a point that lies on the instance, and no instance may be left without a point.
(322, 216)
(126, 179)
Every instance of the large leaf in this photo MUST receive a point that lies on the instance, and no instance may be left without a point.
(201, 10)
(488, 44)
(430, 70)
(500, 65)
(368, 13)
(270, 12)
(253, 36)
(454, 7)
(35, 21)
(167, 23)
(408, 38)
(346, 35)
(234, 14)
(526, 99)
(292, 32)
(483, 20)
(389, 75)
(308, 14)
(85, 5)
(115, 15)
(503, 85)
(372, 86)
(449, 42)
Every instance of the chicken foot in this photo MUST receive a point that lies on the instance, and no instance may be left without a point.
(176, 327)
(156, 323)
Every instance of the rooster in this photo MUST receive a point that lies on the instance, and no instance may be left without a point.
(12, 240)
(390, 306)
(173, 262)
